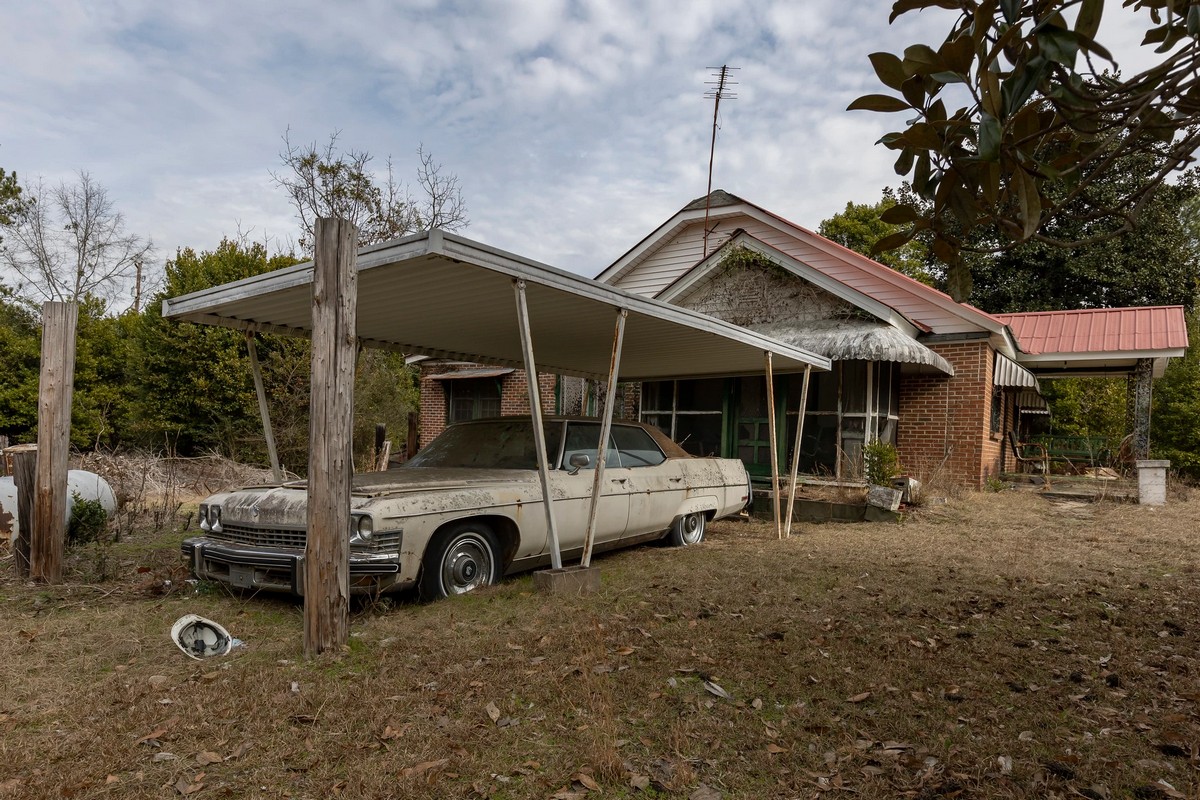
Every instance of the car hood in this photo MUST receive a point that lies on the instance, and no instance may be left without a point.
(284, 504)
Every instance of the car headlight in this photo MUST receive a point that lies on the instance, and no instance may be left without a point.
(204, 526)
(362, 529)
(214, 518)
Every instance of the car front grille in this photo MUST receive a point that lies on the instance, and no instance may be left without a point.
(260, 537)
(250, 536)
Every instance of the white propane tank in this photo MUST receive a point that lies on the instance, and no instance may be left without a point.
(80, 483)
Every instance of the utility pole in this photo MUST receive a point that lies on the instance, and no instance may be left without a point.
(719, 91)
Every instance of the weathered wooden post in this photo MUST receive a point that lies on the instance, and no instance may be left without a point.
(24, 464)
(331, 420)
(55, 391)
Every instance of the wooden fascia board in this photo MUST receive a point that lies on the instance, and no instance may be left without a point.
(703, 269)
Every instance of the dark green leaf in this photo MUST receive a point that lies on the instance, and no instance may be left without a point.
(1020, 86)
(958, 54)
(905, 162)
(899, 214)
(878, 102)
(921, 59)
(901, 6)
(892, 241)
(889, 68)
(923, 136)
(1029, 202)
(948, 77)
(1058, 44)
(1088, 21)
(1011, 10)
(914, 91)
(990, 133)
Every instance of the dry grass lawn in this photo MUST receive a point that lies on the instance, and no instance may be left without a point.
(1000, 645)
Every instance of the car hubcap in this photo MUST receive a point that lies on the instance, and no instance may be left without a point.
(467, 565)
(693, 528)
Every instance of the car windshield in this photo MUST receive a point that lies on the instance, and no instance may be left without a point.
(495, 444)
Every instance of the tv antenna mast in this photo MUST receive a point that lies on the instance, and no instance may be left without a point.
(720, 91)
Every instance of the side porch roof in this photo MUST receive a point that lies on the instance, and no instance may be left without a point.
(1098, 341)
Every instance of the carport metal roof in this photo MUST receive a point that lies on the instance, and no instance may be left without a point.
(441, 295)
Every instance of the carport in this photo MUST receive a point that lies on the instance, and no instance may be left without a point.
(442, 295)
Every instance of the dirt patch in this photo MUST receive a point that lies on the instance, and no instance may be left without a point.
(999, 645)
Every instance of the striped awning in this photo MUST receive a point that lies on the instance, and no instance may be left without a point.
(1030, 402)
(1009, 373)
(482, 372)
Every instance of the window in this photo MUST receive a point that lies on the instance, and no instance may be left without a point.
(583, 437)
(472, 398)
(997, 409)
(636, 447)
(689, 411)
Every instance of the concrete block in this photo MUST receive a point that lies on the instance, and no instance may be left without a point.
(884, 497)
(1152, 481)
(568, 580)
(909, 488)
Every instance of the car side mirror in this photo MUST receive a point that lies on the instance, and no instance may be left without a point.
(578, 461)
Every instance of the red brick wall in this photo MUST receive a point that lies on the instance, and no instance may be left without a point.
(514, 397)
(945, 423)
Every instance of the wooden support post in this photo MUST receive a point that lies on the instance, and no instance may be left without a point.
(539, 432)
(774, 445)
(791, 504)
(24, 464)
(411, 443)
(263, 411)
(614, 369)
(55, 390)
(331, 422)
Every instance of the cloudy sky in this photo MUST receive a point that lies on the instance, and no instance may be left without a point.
(575, 126)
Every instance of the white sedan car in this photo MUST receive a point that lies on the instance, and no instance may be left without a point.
(467, 509)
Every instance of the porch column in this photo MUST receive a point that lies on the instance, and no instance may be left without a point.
(539, 432)
(1137, 409)
(610, 401)
(774, 444)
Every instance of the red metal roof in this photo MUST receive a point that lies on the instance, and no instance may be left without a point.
(1099, 330)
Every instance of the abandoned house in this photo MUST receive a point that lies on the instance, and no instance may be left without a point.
(949, 385)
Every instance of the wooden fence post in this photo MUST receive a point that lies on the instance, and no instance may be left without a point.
(55, 391)
(24, 464)
(331, 422)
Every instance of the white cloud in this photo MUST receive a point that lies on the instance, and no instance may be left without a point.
(576, 126)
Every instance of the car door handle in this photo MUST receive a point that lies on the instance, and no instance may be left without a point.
(619, 480)
(674, 480)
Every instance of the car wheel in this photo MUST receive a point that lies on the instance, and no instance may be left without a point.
(460, 559)
(688, 529)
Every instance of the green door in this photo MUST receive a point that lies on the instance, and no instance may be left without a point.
(751, 431)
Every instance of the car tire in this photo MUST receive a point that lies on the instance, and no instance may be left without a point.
(460, 559)
(687, 529)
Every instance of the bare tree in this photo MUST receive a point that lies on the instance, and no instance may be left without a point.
(327, 181)
(68, 241)
(444, 206)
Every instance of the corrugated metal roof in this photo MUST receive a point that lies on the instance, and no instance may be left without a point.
(1100, 330)
(445, 296)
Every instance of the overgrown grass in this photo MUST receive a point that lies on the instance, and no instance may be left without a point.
(997, 646)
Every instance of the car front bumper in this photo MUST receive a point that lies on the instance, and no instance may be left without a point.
(282, 570)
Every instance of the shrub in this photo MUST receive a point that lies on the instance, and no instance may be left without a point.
(881, 463)
(88, 521)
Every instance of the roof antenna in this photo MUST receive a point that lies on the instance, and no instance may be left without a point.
(721, 90)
